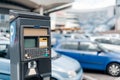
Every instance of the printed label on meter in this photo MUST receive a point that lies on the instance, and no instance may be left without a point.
(43, 42)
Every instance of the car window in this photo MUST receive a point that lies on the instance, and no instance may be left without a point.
(3, 50)
(111, 41)
(103, 41)
(70, 45)
(2, 47)
(115, 42)
(88, 46)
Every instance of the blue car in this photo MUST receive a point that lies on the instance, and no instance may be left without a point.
(4, 71)
(91, 55)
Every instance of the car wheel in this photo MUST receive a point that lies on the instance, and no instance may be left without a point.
(113, 69)
(53, 78)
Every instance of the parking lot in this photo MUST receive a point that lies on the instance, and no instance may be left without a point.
(60, 39)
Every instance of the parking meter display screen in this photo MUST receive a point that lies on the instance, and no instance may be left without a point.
(29, 43)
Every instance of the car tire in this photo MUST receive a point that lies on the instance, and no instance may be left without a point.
(113, 69)
(53, 78)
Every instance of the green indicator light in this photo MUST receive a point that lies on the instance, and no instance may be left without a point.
(46, 55)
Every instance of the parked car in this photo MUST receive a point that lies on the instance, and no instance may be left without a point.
(94, 37)
(114, 44)
(4, 42)
(63, 68)
(75, 36)
(55, 38)
(4, 69)
(91, 55)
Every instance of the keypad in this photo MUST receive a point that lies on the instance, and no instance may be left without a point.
(32, 53)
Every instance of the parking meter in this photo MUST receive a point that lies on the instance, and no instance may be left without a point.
(30, 52)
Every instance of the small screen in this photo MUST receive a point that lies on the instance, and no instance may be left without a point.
(29, 42)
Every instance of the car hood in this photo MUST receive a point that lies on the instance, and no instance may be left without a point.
(65, 63)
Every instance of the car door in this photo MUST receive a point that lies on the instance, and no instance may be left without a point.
(89, 56)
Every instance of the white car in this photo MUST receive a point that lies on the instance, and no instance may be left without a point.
(111, 44)
(75, 36)
(63, 68)
(4, 42)
(4, 69)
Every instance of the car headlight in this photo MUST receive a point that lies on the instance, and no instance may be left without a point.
(63, 73)
(72, 74)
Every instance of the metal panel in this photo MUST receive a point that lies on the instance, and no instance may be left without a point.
(4, 11)
(19, 67)
(35, 32)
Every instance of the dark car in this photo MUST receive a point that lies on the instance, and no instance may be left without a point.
(91, 55)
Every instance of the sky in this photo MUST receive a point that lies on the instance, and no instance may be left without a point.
(92, 4)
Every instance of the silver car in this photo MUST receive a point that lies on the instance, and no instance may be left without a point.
(4, 69)
(65, 68)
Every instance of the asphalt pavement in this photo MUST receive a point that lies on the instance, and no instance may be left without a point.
(98, 75)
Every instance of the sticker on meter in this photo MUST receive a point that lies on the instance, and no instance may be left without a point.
(12, 32)
(43, 42)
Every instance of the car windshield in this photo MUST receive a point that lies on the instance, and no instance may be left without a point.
(55, 55)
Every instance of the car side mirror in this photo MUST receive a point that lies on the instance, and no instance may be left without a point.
(99, 51)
